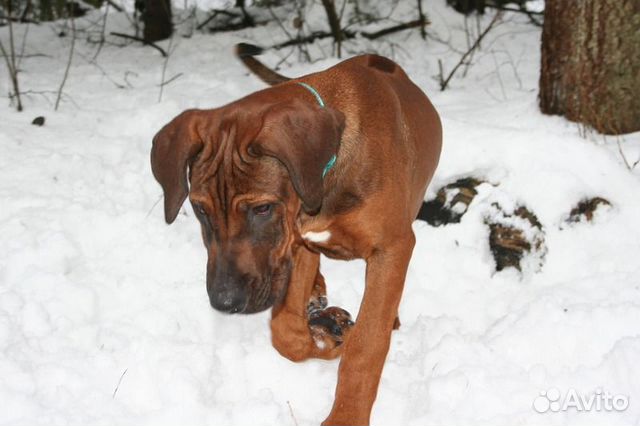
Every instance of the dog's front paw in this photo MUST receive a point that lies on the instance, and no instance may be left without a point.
(329, 327)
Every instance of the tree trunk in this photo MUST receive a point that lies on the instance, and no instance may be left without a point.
(157, 20)
(591, 63)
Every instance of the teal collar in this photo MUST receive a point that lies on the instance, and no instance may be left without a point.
(314, 92)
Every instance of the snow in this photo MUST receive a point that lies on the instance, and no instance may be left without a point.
(104, 318)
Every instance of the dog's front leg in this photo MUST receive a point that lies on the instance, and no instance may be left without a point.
(289, 330)
(303, 327)
(365, 351)
(293, 334)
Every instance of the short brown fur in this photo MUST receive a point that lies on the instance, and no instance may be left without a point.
(271, 147)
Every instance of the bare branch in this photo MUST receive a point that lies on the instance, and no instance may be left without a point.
(206, 21)
(349, 34)
(215, 13)
(23, 45)
(141, 40)
(102, 71)
(279, 22)
(115, 5)
(32, 55)
(423, 19)
(295, 422)
(10, 59)
(171, 80)
(115, 391)
(44, 93)
(102, 32)
(66, 71)
(164, 70)
(21, 20)
(395, 28)
(445, 83)
(624, 157)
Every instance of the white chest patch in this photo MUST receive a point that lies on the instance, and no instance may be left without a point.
(317, 237)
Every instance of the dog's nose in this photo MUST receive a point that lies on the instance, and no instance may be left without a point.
(227, 301)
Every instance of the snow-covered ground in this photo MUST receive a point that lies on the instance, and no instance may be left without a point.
(104, 318)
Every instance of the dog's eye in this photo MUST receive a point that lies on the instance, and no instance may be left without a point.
(201, 210)
(262, 210)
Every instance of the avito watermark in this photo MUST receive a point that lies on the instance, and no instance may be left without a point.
(599, 400)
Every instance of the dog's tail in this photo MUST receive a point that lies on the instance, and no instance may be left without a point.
(246, 52)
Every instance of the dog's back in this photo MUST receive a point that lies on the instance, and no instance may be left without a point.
(401, 134)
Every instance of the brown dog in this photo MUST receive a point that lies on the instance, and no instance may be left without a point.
(335, 162)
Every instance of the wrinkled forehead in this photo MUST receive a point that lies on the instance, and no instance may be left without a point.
(225, 170)
(258, 179)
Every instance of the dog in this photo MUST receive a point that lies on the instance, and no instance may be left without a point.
(335, 163)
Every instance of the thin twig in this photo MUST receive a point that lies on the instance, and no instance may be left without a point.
(467, 33)
(171, 80)
(468, 62)
(44, 94)
(443, 85)
(247, 20)
(21, 20)
(295, 422)
(153, 206)
(624, 157)
(102, 71)
(495, 61)
(119, 382)
(395, 28)
(164, 70)
(423, 19)
(317, 35)
(284, 59)
(12, 43)
(512, 63)
(23, 44)
(115, 5)
(102, 32)
(303, 51)
(440, 72)
(279, 22)
(209, 19)
(32, 55)
(126, 77)
(342, 9)
(141, 40)
(11, 59)
(235, 27)
(7, 59)
(66, 71)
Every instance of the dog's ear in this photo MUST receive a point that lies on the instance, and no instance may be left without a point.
(174, 148)
(303, 138)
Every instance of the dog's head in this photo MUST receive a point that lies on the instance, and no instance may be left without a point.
(248, 171)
